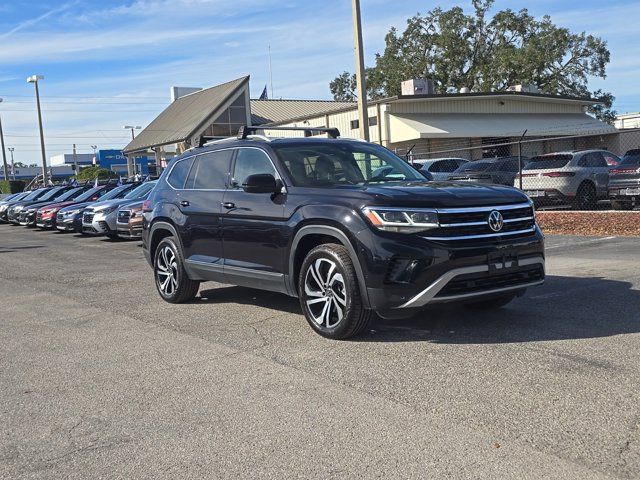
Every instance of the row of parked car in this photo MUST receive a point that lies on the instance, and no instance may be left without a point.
(579, 178)
(111, 209)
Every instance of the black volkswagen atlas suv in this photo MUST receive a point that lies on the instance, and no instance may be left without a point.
(346, 226)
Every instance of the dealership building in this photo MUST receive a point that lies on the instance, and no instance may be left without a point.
(469, 124)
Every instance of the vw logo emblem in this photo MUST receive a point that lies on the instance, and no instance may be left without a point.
(495, 221)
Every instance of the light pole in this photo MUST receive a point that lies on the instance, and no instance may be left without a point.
(13, 170)
(4, 154)
(95, 160)
(34, 79)
(131, 171)
(363, 113)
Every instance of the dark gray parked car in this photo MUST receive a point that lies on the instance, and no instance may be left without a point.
(500, 171)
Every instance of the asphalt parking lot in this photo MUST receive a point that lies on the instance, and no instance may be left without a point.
(101, 379)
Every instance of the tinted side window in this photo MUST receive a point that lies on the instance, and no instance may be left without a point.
(598, 160)
(210, 171)
(250, 161)
(436, 167)
(179, 173)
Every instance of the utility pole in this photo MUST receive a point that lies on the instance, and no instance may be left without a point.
(75, 160)
(4, 154)
(361, 81)
(34, 79)
(131, 169)
(13, 170)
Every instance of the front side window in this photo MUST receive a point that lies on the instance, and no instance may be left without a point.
(209, 171)
(251, 161)
(327, 164)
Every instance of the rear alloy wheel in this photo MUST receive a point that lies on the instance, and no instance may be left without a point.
(330, 294)
(172, 281)
(621, 205)
(586, 197)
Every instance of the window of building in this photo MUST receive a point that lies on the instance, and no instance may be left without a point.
(210, 171)
(229, 122)
(373, 121)
(251, 161)
(355, 124)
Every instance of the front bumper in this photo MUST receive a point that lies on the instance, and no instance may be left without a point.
(99, 223)
(49, 222)
(67, 223)
(407, 272)
(129, 230)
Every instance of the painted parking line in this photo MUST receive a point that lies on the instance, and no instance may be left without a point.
(585, 242)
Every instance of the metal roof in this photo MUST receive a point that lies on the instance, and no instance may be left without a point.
(278, 111)
(182, 118)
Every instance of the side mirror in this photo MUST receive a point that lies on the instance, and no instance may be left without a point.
(260, 183)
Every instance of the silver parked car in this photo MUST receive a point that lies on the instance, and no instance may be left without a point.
(440, 168)
(101, 218)
(580, 178)
(498, 171)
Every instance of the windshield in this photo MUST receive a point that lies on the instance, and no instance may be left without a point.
(326, 164)
(35, 194)
(548, 161)
(70, 194)
(53, 193)
(478, 166)
(88, 194)
(117, 192)
(141, 191)
(630, 160)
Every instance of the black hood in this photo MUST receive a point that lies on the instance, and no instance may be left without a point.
(436, 194)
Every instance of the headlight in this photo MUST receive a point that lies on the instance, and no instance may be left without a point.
(70, 213)
(18, 208)
(3, 207)
(403, 220)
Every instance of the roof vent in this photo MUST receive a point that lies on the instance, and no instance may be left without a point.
(418, 86)
(177, 92)
(523, 88)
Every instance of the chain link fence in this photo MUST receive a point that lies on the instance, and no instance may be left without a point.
(581, 172)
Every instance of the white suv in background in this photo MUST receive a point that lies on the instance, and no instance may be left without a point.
(580, 178)
(440, 168)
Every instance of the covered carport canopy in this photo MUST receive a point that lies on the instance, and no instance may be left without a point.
(413, 126)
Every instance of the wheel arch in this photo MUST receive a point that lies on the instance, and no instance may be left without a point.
(310, 236)
(161, 229)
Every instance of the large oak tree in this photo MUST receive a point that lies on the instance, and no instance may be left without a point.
(486, 53)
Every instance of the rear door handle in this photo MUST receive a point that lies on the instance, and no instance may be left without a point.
(229, 205)
(184, 203)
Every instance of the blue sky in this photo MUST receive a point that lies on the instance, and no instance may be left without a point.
(110, 63)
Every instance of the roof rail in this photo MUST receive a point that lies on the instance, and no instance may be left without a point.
(245, 131)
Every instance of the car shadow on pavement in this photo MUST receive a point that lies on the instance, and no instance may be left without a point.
(9, 249)
(564, 308)
(249, 296)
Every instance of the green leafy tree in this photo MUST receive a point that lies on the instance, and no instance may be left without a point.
(90, 173)
(486, 53)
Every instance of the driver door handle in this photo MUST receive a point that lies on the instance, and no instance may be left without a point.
(229, 205)
(184, 203)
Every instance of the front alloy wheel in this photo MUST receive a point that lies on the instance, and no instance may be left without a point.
(172, 281)
(330, 294)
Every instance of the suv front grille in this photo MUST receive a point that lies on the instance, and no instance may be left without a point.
(87, 218)
(123, 216)
(470, 223)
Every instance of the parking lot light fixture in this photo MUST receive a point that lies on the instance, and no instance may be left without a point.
(131, 171)
(4, 154)
(35, 79)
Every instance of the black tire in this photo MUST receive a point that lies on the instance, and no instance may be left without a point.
(339, 294)
(492, 303)
(180, 288)
(586, 197)
(621, 205)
